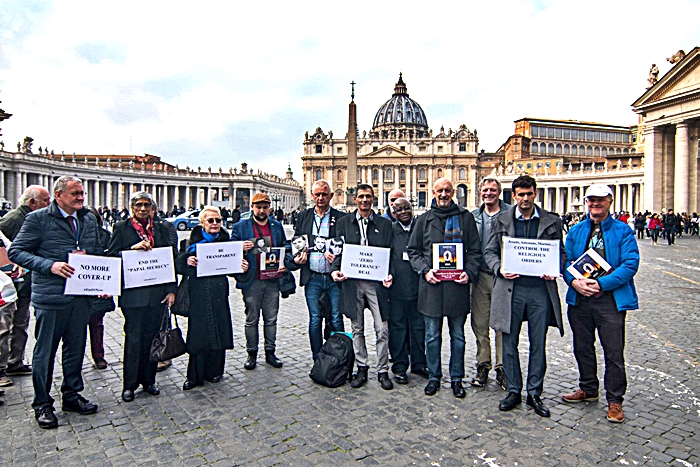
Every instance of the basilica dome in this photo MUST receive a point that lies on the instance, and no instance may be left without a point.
(400, 111)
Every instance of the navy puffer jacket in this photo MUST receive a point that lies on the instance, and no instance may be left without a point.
(46, 237)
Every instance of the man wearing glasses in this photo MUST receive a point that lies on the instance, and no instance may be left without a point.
(42, 245)
(318, 223)
(393, 196)
(516, 298)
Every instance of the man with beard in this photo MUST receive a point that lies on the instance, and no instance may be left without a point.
(445, 222)
(365, 227)
(482, 289)
(516, 298)
(406, 325)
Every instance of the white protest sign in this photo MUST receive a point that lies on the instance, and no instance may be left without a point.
(215, 259)
(365, 262)
(531, 257)
(94, 275)
(143, 268)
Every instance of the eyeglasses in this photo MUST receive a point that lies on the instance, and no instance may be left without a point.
(75, 194)
(400, 210)
(319, 195)
(214, 220)
(142, 205)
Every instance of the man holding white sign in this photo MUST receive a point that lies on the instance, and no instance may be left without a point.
(601, 304)
(365, 228)
(517, 296)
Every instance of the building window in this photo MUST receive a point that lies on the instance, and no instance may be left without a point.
(557, 132)
(558, 148)
(596, 151)
(402, 174)
(421, 148)
(618, 151)
(421, 174)
(529, 165)
(574, 134)
(403, 148)
(359, 175)
(534, 147)
(543, 148)
(626, 138)
(567, 133)
(389, 174)
(375, 175)
(625, 151)
(589, 151)
(574, 150)
(340, 175)
(550, 148)
(535, 131)
(567, 150)
(339, 150)
(375, 148)
(618, 137)
(439, 149)
(439, 174)
(319, 149)
(462, 174)
(596, 136)
(550, 132)
(318, 174)
(604, 152)
(422, 197)
(581, 151)
(462, 147)
(589, 135)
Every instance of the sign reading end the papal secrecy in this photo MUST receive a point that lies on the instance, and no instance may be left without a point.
(530, 257)
(94, 275)
(152, 267)
(365, 262)
(215, 259)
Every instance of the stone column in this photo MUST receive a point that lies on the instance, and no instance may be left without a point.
(545, 199)
(18, 188)
(409, 186)
(2, 184)
(414, 183)
(380, 191)
(682, 170)
(429, 197)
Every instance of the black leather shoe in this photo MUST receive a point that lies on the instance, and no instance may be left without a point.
(385, 381)
(422, 372)
(401, 378)
(153, 389)
(432, 388)
(46, 418)
(509, 403)
(458, 389)
(216, 379)
(536, 403)
(189, 385)
(360, 378)
(80, 405)
(272, 360)
(252, 361)
(128, 395)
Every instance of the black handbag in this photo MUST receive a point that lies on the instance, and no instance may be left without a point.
(182, 298)
(168, 343)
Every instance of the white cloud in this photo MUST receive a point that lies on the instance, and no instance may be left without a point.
(223, 82)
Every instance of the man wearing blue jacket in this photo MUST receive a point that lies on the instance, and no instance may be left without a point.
(260, 294)
(601, 305)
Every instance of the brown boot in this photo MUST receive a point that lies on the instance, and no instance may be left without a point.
(615, 414)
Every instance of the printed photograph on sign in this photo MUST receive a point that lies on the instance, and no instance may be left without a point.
(589, 265)
(319, 244)
(261, 245)
(448, 260)
(270, 263)
(300, 244)
(334, 246)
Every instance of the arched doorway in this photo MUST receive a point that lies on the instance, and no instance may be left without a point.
(462, 195)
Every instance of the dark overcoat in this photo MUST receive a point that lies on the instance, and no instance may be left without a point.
(209, 321)
(405, 284)
(550, 228)
(124, 236)
(445, 298)
(379, 234)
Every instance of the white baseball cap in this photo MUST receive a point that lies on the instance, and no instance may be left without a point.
(599, 190)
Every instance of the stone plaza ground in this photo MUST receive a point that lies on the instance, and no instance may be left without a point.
(280, 417)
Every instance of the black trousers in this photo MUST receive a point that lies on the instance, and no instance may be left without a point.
(140, 327)
(205, 365)
(406, 336)
(600, 314)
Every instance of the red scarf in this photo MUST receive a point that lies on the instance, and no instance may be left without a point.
(144, 231)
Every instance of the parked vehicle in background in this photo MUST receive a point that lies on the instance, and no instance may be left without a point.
(185, 221)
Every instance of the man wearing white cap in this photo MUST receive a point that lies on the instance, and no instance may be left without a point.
(601, 304)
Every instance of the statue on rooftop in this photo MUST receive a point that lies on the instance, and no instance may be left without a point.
(653, 75)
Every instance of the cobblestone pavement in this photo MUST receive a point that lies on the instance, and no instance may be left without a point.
(272, 416)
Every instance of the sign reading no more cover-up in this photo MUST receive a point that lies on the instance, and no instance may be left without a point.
(216, 259)
(530, 257)
(94, 275)
(365, 262)
(152, 267)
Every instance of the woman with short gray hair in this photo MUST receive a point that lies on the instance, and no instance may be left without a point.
(142, 307)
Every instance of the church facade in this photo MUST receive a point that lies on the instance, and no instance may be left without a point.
(399, 151)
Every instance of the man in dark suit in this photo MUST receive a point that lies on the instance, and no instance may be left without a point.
(406, 325)
(318, 222)
(260, 294)
(365, 227)
(42, 245)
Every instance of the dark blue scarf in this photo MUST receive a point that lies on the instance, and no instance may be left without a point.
(453, 234)
(207, 238)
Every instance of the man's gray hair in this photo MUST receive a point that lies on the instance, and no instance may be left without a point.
(33, 192)
(490, 180)
(322, 183)
(60, 184)
(137, 195)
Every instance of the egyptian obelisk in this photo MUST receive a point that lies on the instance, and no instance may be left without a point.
(351, 175)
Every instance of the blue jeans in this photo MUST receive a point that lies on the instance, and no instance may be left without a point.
(313, 289)
(433, 346)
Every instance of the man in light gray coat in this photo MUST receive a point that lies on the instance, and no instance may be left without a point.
(516, 298)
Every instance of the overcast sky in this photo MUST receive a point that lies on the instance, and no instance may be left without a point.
(220, 83)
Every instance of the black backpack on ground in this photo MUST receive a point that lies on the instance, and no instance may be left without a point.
(335, 361)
